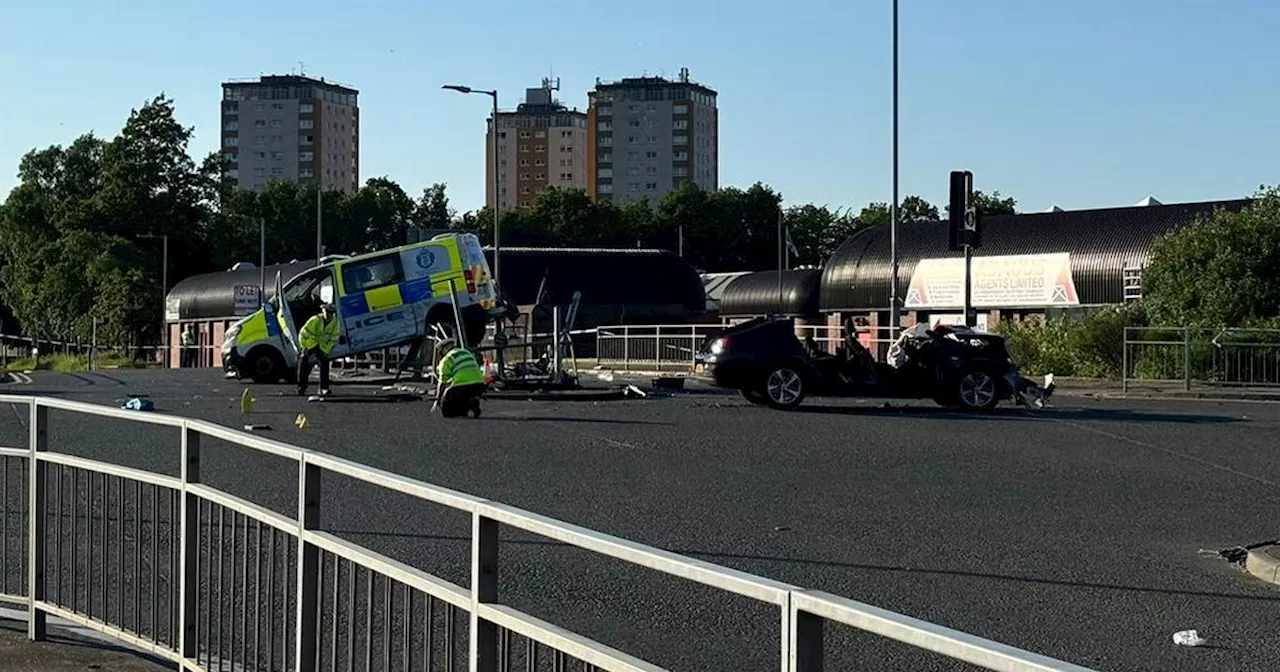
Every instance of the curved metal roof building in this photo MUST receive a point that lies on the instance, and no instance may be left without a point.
(532, 275)
(212, 296)
(1101, 243)
(757, 294)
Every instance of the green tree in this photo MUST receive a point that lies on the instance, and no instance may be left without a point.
(817, 231)
(432, 209)
(375, 217)
(875, 214)
(1224, 270)
(994, 204)
(914, 209)
(991, 205)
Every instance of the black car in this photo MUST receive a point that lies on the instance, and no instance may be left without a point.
(954, 366)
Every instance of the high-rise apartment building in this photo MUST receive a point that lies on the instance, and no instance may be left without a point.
(290, 127)
(541, 144)
(649, 134)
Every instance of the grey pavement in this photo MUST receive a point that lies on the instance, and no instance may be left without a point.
(1075, 532)
(67, 651)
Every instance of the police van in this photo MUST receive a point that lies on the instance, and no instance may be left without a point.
(382, 299)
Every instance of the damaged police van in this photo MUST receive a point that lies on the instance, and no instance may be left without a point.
(382, 299)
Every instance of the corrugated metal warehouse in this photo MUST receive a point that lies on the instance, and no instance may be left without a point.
(1048, 263)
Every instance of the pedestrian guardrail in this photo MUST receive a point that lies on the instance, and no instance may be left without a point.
(673, 347)
(1188, 356)
(212, 581)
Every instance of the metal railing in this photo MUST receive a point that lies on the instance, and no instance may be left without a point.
(672, 347)
(1188, 357)
(209, 580)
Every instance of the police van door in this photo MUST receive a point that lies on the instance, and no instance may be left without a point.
(371, 306)
(283, 318)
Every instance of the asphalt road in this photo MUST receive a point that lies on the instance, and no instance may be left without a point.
(1075, 532)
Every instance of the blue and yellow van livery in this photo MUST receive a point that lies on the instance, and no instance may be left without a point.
(383, 299)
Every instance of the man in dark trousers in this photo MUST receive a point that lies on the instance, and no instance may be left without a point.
(317, 339)
(459, 382)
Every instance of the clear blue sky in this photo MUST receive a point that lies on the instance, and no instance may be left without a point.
(1087, 103)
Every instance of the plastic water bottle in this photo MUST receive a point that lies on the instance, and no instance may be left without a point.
(1188, 638)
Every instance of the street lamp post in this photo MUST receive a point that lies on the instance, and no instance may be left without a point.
(497, 198)
(164, 292)
(894, 318)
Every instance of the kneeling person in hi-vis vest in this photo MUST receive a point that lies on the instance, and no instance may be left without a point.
(317, 338)
(460, 382)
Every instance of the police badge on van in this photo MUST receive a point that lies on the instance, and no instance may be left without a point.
(425, 259)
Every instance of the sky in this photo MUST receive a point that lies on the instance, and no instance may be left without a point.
(1080, 104)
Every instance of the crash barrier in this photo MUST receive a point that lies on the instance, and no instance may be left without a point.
(252, 590)
(673, 347)
(1190, 357)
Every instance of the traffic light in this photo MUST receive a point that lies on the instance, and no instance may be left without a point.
(965, 220)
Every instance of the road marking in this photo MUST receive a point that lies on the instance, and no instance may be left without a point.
(19, 378)
(619, 444)
(1169, 451)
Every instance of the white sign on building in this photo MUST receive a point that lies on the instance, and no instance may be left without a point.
(246, 299)
(1013, 281)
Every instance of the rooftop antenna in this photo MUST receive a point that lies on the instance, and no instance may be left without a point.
(302, 71)
(684, 75)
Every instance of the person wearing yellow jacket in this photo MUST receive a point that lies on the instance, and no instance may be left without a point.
(459, 382)
(317, 339)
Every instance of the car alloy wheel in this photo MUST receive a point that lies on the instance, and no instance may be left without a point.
(784, 387)
(978, 390)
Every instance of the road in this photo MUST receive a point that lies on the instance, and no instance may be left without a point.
(1076, 532)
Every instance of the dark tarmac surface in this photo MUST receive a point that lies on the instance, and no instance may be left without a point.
(1075, 533)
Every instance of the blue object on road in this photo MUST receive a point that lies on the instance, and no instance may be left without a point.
(139, 404)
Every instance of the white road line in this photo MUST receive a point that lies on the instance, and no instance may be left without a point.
(1169, 451)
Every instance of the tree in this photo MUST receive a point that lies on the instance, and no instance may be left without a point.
(991, 205)
(1222, 271)
(915, 210)
(994, 204)
(875, 214)
(432, 210)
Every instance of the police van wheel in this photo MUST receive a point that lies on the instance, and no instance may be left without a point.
(264, 367)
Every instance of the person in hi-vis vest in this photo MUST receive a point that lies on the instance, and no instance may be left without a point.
(459, 382)
(317, 339)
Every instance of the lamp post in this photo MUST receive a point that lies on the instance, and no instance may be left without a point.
(894, 318)
(164, 292)
(497, 198)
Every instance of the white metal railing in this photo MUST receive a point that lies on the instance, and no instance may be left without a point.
(154, 578)
(673, 347)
